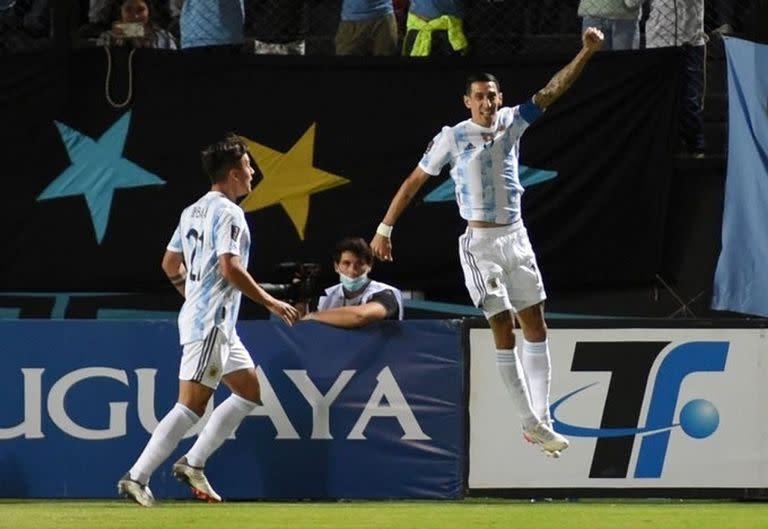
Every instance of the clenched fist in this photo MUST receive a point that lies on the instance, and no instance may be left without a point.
(592, 39)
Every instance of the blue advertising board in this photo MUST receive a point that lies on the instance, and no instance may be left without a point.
(370, 413)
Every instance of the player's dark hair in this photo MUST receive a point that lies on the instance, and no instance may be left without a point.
(481, 78)
(218, 158)
(357, 246)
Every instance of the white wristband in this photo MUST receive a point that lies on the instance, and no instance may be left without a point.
(384, 230)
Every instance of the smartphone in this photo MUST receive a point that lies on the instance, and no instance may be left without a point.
(131, 29)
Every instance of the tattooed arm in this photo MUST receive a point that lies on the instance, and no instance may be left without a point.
(592, 40)
(173, 266)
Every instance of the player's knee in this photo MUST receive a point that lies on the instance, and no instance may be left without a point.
(252, 394)
(536, 334)
(502, 326)
(245, 384)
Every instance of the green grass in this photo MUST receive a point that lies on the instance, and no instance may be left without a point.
(469, 514)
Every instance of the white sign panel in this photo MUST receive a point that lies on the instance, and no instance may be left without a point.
(643, 408)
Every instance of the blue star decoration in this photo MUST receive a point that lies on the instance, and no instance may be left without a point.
(529, 176)
(98, 168)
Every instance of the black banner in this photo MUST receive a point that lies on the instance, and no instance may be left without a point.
(93, 192)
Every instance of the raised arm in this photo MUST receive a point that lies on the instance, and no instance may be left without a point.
(592, 41)
(381, 244)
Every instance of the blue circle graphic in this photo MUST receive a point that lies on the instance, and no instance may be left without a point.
(699, 418)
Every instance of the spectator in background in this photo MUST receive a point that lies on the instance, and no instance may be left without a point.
(401, 13)
(276, 26)
(99, 11)
(99, 20)
(367, 27)
(617, 19)
(681, 23)
(435, 27)
(356, 300)
(133, 24)
(174, 13)
(208, 23)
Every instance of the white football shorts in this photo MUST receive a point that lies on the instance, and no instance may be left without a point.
(500, 269)
(206, 361)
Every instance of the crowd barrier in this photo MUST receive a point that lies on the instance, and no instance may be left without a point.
(651, 408)
(410, 409)
(375, 413)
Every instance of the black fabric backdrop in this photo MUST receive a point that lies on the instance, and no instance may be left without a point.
(599, 223)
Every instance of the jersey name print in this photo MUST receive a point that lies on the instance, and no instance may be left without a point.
(209, 228)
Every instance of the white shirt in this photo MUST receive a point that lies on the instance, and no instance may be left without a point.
(334, 297)
(674, 23)
(212, 226)
(484, 163)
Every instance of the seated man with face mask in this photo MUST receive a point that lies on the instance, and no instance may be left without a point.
(356, 300)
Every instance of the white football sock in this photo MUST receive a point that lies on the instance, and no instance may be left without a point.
(164, 440)
(538, 372)
(514, 380)
(224, 420)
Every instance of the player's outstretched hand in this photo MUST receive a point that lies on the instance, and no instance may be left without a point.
(382, 247)
(284, 311)
(592, 39)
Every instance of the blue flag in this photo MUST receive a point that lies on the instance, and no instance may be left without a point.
(741, 279)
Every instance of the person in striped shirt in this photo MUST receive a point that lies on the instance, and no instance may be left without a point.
(207, 261)
(499, 265)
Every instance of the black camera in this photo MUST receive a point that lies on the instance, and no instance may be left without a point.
(298, 284)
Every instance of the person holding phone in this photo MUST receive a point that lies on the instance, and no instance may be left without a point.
(133, 26)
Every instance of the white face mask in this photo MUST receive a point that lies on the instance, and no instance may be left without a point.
(353, 284)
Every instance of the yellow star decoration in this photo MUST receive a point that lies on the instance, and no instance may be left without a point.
(289, 179)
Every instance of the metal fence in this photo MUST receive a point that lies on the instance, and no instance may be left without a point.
(492, 27)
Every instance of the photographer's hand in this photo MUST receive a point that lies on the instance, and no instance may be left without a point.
(350, 317)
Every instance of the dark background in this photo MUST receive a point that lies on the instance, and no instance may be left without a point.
(608, 225)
